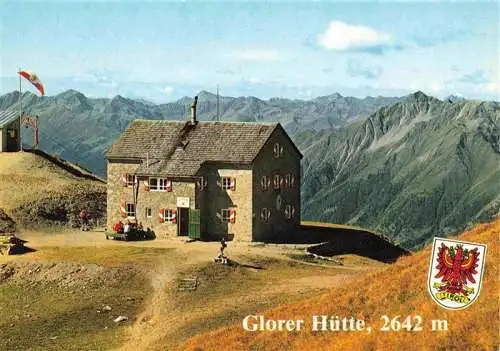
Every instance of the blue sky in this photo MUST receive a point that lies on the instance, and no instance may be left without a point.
(162, 50)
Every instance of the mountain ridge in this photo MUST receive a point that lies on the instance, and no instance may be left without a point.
(410, 167)
(101, 120)
(421, 159)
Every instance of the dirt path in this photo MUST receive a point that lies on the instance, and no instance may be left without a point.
(158, 318)
(154, 321)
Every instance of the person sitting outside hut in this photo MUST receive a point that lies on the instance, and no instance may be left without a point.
(118, 227)
(126, 228)
(84, 219)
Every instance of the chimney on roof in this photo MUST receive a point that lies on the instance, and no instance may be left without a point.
(193, 110)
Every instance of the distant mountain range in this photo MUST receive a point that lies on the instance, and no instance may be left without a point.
(410, 167)
(80, 128)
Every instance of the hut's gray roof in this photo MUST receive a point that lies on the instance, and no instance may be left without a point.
(178, 148)
(8, 116)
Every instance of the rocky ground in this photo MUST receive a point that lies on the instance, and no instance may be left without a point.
(7, 224)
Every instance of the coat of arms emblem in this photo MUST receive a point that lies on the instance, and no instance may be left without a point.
(455, 272)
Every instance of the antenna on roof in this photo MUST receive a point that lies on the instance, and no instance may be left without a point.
(218, 118)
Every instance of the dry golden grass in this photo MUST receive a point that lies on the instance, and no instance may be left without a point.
(108, 256)
(26, 177)
(398, 290)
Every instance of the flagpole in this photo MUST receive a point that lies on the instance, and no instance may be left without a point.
(20, 112)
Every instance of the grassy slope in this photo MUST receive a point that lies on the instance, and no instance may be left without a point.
(25, 177)
(36, 191)
(399, 290)
(50, 316)
(226, 294)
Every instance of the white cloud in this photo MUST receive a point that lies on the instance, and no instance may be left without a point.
(493, 87)
(259, 55)
(436, 87)
(168, 90)
(253, 80)
(341, 36)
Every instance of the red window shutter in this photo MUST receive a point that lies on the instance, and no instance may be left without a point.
(233, 184)
(123, 209)
(174, 216)
(161, 215)
(232, 215)
(169, 185)
(146, 185)
(124, 179)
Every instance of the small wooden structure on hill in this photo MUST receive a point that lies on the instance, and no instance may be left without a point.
(9, 131)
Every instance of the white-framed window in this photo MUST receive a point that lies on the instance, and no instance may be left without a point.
(130, 210)
(276, 181)
(131, 179)
(202, 183)
(227, 183)
(169, 215)
(287, 180)
(289, 211)
(12, 133)
(226, 214)
(265, 183)
(149, 213)
(160, 184)
(164, 184)
(153, 183)
(265, 214)
(278, 150)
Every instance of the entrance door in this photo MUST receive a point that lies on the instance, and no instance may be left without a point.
(12, 140)
(194, 224)
(183, 221)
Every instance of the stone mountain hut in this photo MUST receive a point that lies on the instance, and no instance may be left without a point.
(205, 180)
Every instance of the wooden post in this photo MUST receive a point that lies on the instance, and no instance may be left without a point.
(20, 113)
(36, 133)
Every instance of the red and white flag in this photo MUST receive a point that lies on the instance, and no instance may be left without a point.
(33, 78)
